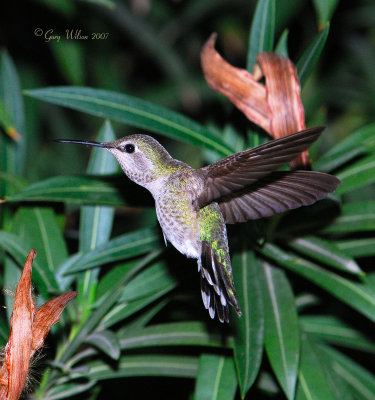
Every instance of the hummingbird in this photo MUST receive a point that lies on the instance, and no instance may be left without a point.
(193, 205)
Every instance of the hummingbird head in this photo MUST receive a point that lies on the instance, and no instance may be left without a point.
(141, 157)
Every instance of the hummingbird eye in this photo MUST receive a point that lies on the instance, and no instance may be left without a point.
(129, 148)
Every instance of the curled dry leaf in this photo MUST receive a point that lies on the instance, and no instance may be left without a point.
(28, 330)
(275, 106)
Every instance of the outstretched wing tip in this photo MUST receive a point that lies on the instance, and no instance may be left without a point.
(245, 168)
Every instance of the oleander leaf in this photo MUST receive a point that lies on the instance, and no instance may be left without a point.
(133, 111)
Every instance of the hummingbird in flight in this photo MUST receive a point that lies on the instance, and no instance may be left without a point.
(193, 205)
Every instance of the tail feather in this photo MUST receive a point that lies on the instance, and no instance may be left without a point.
(217, 286)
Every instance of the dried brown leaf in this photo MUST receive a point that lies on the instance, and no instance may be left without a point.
(275, 106)
(18, 348)
(283, 99)
(27, 332)
(47, 316)
(237, 84)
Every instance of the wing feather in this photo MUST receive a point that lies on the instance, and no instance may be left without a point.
(277, 192)
(239, 170)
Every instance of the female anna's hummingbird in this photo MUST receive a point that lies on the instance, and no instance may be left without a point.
(193, 205)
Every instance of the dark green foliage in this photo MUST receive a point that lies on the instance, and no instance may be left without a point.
(305, 280)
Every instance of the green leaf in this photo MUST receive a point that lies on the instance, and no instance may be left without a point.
(144, 365)
(105, 341)
(358, 142)
(6, 122)
(40, 230)
(355, 217)
(310, 57)
(216, 378)
(132, 111)
(43, 277)
(10, 91)
(155, 278)
(171, 334)
(248, 330)
(12, 155)
(326, 252)
(13, 180)
(95, 221)
(282, 44)
(68, 390)
(141, 320)
(281, 329)
(125, 310)
(358, 174)
(363, 136)
(262, 31)
(358, 296)
(122, 247)
(69, 55)
(102, 310)
(117, 272)
(73, 189)
(325, 9)
(357, 247)
(313, 383)
(105, 3)
(333, 330)
(358, 378)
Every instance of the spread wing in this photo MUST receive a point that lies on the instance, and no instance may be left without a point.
(275, 193)
(239, 170)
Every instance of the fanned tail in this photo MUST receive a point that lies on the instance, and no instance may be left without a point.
(217, 286)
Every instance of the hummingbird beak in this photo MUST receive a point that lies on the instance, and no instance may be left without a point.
(96, 144)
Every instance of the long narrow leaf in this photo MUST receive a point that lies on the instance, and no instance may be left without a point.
(361, 380)
(282, 45)
(248, 330)
(43, 277)
(357, 247)
(11, 96)
(262, 31)
(102, 310)
(281, 329)
(325, 9)
(149, 281)
(39, 228)
(313, 382)
(337, 332)
(216, 378)
(355, 217)
(358, 142)
(326, 252)
(133, 111)
(106, 341)
(122, 247)
(171, 334)
(95, 221)
(125, 310)
(73, 189)
(145, 365)
(68, 390)
(358, 296)
(310, 57)
(358, 174)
